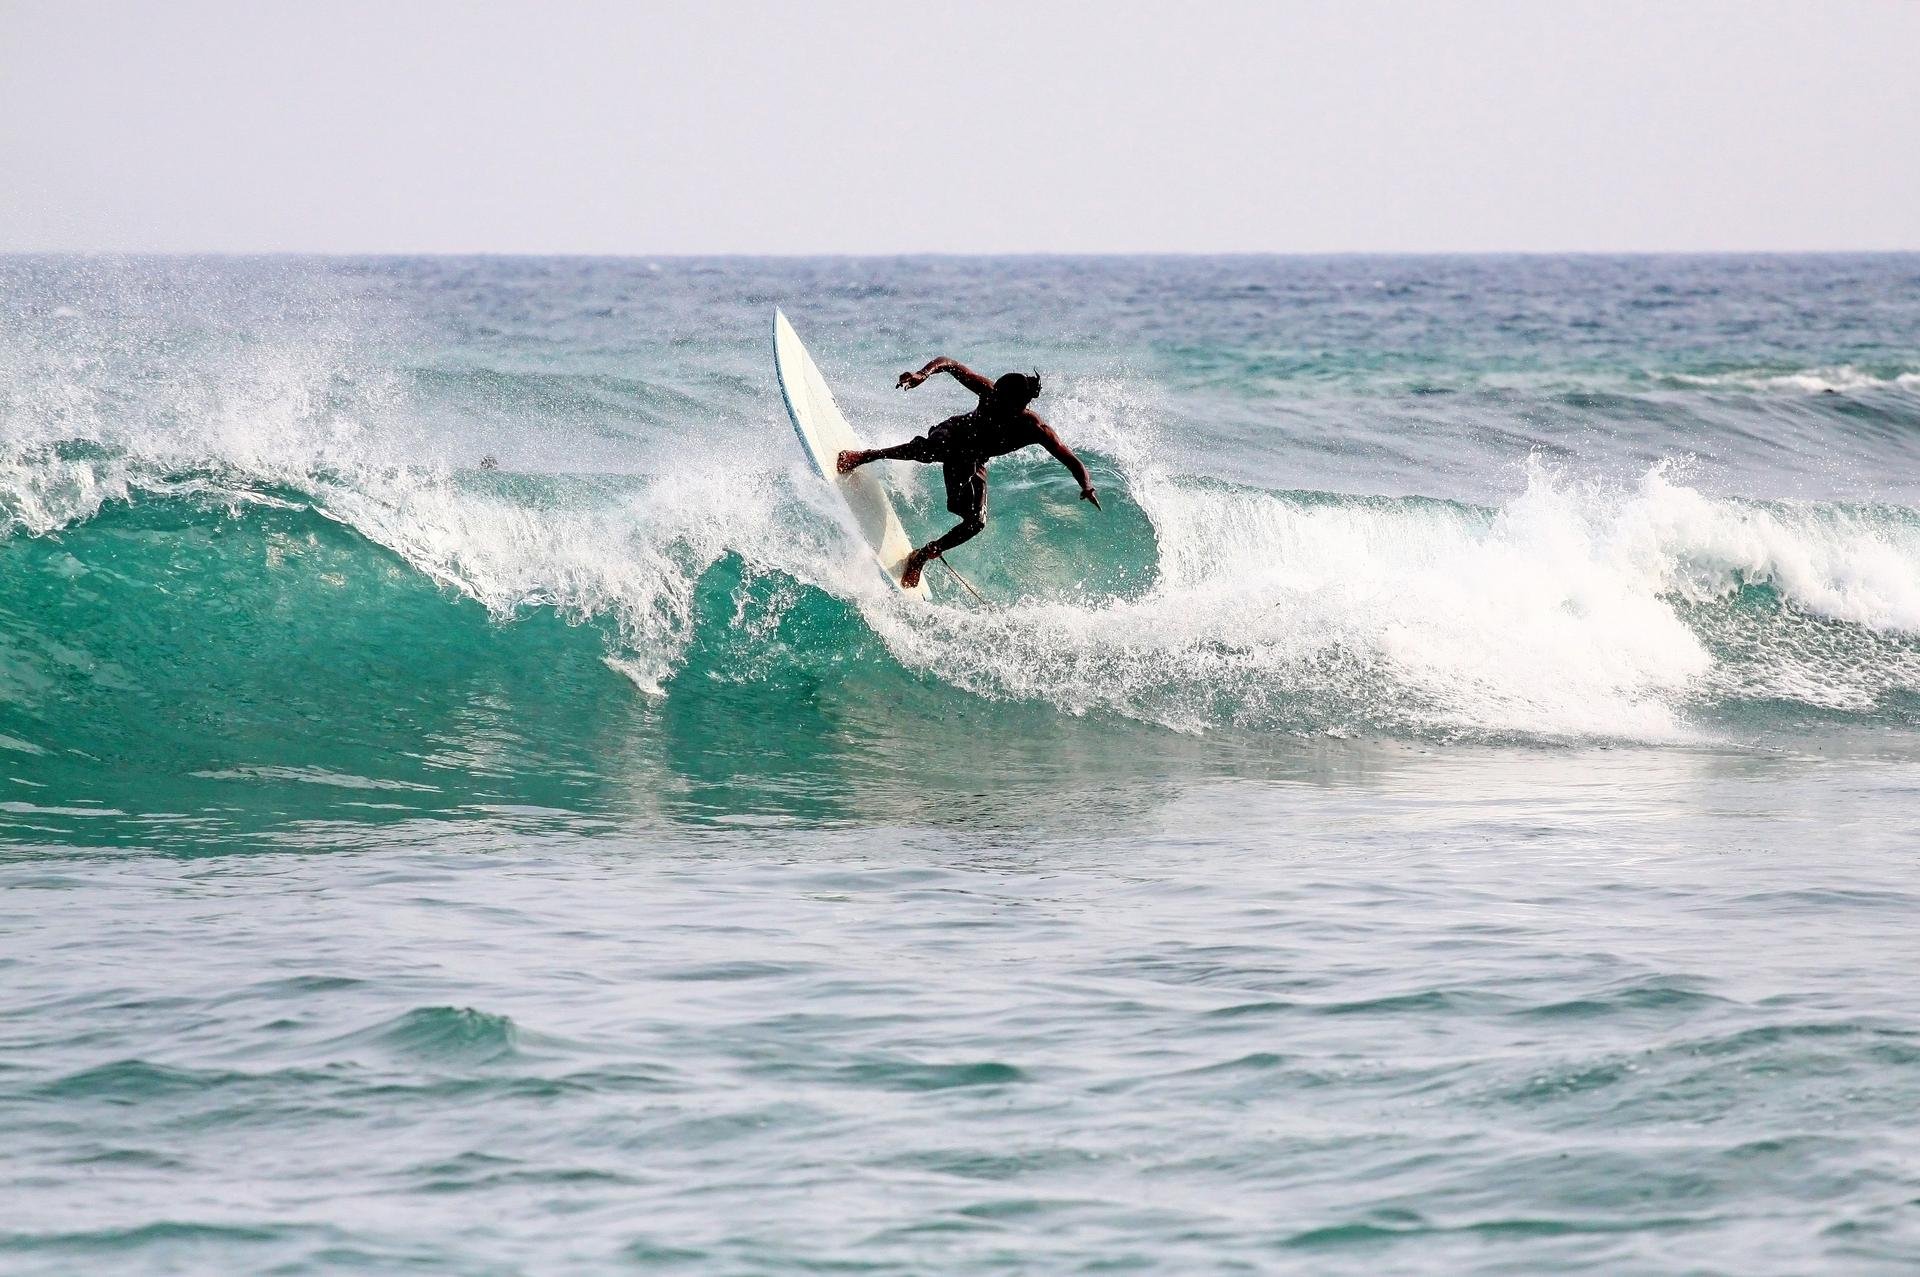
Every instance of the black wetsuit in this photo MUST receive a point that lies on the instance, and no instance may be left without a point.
(963, 445)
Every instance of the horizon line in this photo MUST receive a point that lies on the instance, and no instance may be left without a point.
(945, 254)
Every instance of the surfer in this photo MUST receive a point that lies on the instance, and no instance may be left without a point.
(1000, 423)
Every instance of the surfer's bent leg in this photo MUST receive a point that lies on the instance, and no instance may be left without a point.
(966, 497)
(922, 449)
(926, 449)
(965, 531)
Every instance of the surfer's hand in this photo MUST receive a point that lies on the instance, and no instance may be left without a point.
(1088, 494)
(908, 380)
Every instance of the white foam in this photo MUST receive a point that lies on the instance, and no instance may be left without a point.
(1560, 614)
(1839, 378)
(1273, 613)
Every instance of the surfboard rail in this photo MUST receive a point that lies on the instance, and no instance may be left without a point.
(824, 433)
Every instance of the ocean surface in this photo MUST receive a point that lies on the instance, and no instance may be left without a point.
(467, 806)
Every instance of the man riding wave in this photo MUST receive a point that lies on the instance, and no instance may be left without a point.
(1000, 423)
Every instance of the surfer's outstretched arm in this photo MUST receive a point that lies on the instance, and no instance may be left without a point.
(940, 363)
(1064, 455)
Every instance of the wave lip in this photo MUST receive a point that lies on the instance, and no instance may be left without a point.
(443, 1034)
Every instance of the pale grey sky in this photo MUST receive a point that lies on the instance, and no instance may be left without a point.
(990, 127)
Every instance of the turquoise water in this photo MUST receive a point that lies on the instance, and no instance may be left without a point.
(1453, 811)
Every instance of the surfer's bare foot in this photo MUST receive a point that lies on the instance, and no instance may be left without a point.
(847, 460)
(910, 575)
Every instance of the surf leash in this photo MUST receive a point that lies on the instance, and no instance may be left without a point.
(963, 580)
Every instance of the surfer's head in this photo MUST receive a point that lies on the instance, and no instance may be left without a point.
(1017, 389)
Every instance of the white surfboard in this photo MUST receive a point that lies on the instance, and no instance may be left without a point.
(824, 433)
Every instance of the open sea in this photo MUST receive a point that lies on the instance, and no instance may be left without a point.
(468, 806)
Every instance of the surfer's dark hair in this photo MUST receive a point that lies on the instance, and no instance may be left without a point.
(1023, 386)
